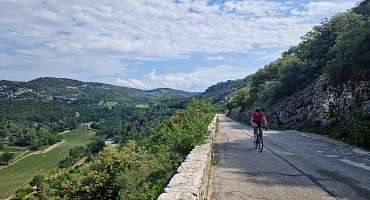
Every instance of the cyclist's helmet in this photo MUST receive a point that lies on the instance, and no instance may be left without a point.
(258, 109)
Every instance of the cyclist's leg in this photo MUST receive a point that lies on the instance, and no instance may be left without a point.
(259, 129)
(260, 138)
(255, 130)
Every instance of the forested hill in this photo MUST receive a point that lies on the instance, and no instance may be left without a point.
(168, 92)
(62, 89)
(221, 92)
(33, 112)
(320, 85)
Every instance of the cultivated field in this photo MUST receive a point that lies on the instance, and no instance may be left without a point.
(19, 174)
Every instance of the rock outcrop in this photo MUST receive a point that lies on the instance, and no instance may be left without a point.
(321, 104)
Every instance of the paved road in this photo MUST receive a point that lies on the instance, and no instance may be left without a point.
(293, 165)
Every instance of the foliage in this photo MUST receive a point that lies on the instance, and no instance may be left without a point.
(141, 168)
(356, 131)
(22, 193)
(37, 182)
(33, 120)
(77, 153)
(350, 56)
(6, 157)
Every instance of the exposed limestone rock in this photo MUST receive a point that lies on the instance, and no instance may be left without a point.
(319, 103)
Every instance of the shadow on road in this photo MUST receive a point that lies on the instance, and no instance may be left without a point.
(289, 164)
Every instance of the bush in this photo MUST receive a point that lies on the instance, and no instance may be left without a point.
(77, 152)
(21, 193)
(95, 146)
(2, 145)
(68, 162)
(356, 131)
(6, 157)
(35, 146)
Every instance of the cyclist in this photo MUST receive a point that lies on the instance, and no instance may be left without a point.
(257, 118)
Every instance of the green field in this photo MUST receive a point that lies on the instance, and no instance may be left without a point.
(21, 173)
(110, 104)
(141, 106)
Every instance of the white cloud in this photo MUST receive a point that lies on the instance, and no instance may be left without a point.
(152, 75)
(146, 29)
(88, 38)
(214, 58)
(197, 80)
(260, 8)
(133, 83)
(320, 8)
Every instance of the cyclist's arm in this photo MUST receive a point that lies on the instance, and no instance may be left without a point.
(252, 123)
(265, 121)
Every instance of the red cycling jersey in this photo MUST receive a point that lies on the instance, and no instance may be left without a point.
(257, 117)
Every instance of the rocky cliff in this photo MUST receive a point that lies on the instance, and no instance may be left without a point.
(340, 111)
(322, 104)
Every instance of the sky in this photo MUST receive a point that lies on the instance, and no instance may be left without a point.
(181, 44)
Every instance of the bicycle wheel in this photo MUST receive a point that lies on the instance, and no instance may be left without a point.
(260, 141)
(260, 145)
(256, 142)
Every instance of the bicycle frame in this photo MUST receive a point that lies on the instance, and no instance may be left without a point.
(259, 139)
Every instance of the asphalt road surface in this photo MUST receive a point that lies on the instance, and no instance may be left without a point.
(293, 165)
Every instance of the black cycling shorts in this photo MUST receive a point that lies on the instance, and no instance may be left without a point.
(259, 124)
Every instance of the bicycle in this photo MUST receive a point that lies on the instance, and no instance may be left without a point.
(259, 140)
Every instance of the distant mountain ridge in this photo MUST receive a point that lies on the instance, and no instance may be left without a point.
(45, 88)
(171, 92)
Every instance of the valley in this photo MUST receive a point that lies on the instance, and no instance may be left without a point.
(18, 174)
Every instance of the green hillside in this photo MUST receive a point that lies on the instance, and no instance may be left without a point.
(168, 93)
(47, 88)
(322, 84)
(32, 112)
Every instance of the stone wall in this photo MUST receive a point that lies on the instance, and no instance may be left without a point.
(191, 180)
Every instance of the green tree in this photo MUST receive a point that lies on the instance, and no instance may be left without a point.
(363, 9)
(76, 152)
(2, 145)
(96, 146)
(351, 53)
(37, 182)
(6, 157)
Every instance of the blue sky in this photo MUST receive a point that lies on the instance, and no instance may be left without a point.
(182, 44)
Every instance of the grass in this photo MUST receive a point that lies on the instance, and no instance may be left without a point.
(110, 104)
(141, 106)
(19, 174)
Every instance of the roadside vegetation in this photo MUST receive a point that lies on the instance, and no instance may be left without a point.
(139, 169)
(33, 121)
